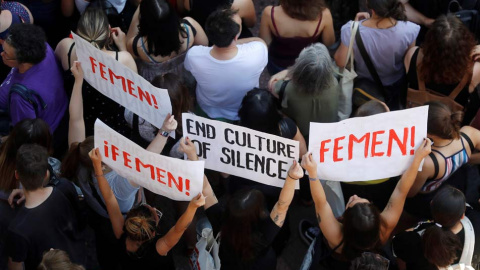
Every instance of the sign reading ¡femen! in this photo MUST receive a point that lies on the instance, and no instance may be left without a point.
(368, 148)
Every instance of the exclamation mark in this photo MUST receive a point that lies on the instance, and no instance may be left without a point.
(105, 148)
(155, 102)
(412, 140)
(187, 187)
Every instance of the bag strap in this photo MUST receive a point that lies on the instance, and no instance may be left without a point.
(350, 46)
(368, 62)
(28, 95)
(469, 244)
(281, 92)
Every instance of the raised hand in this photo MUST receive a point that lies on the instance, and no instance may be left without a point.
(77, 71)
(187, 147)
(295, 172)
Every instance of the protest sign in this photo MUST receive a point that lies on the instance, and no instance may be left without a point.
(121, 84)
(176, 179)
(240, 151)
(368, 148)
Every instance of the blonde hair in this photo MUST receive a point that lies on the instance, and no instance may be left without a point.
(93, 27)
(57, 259)
(140, 227)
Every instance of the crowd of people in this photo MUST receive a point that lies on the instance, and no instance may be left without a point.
(56, 194)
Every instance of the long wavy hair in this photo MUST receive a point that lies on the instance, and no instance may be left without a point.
(446, 51)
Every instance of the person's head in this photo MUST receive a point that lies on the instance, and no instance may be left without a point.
(26, 44)
(370, 261)
(31, 166)
(178, 92)
(388, 9)
(313, 69)
(27, 131)
(371, 107)
(440, 244)
(245, 209)
(56, 259)
(223, 27)
(442, 122)
(93, 27)
(361, 227)
(260, 111)
(140, 226)
(160, 24)
(305, 10)
(77, 156)
(446, 51)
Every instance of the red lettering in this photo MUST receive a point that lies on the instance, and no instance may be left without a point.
(126, 160)
(144, 95)
(139, 163)
(402, 145)
(113, 75)
(105, 148)
(114, 152)
(160, 175)
(171, 179)
(336, 148)
(375, 143)
(130, 87)
(323, 150)
(102, 71)
(352, 139)
(92, 62)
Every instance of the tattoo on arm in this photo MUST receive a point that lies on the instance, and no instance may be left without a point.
(318, 218)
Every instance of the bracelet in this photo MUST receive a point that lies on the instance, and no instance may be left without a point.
(99, 175)
(291, 177)
(164, 133)
(312, 179)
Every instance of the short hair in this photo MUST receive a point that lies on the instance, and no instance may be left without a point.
(304, 10)
(57, 259)
(31, 166)
(220, 27)
(29, 43)
(313, 69)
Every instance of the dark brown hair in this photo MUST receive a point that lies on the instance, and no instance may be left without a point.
(304, 10)
(442, 122)
(440, 244)
(57, 259)
(446, 51)
(371, 107)
(26, 131)
(388, 9)
(76, 156)
(31, 166)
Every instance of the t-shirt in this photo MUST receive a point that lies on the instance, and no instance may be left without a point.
(386, 48)
(123, 191)
(222, 84)
(265, 256)
(52, 224)
(45, 78)
(408, 245)
(146, 256)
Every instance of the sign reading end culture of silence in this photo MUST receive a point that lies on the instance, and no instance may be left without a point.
(368, 148)
(240, 151)
(177, 179)
(122, 85)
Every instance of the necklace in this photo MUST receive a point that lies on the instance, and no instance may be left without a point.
(440, 146)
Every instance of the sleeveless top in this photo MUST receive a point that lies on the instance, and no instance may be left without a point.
(96, 105)
(452, 163)
(284, 50)
(17, 9)
(444, 89)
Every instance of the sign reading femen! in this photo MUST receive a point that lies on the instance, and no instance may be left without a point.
(121, 84)
(176, 179)
(240, 151)
(368, 148)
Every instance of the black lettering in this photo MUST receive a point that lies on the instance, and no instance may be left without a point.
(227, 159)
(200, 148)
(190, 127)
(290, 150)
(200, 127)
(281, 148)
(237, 137)
(211, 132)
(249, 140)
(271, 143)
(239, 159)
(269, 160)
(260, 161)
(259, 142)
(227, 130)
(281, 170)
(249, 159)
(205, 149)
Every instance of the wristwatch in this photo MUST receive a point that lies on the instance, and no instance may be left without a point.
(164, 133)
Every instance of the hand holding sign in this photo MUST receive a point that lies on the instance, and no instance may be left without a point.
(96, 158)
(197, 201)
(423, 150)
(187, 147)
(169, 124)
(295, 172)
(77, 71)
(309, 164)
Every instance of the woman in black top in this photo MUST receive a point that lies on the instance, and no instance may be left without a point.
(247, 228)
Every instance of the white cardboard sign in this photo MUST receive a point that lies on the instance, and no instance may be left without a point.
(176, 179)
(240, 151)
(121, 84)
(368, 148)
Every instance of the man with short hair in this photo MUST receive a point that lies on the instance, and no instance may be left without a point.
(229, 69)
(47, 220)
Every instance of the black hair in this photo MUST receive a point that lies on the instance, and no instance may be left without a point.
(220, 27)
(260, 111)
(31, 166)
(370, 261)
(28, 40)
(388, 9)
(161, 25)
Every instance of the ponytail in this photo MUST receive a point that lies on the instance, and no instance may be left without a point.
(442, 122)
(93, 27)
(440, 245)
(388, 9)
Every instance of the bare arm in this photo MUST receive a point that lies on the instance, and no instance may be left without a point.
(127, 59)
(133, 31)
(67, 6)
(200, 38)
(414, 16)
(341, 55)
(331, 228)
(251, 39)
(76, 126)
(265, 32)
(408, 57)
(303, 146)
(169, 125)
(246, 11)
(328, 35)
(428, 170)
(280, 209)
(167, 242)
(394, 208)
(14, 265)
(111, 203)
